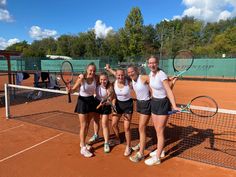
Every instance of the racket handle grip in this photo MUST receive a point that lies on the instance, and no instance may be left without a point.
(69, 98)
(172, 112)
(99, 106)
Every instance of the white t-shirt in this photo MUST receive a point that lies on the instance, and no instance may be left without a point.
(141, 89)
(156, 84)
(86, 89)
(122, 94)
(101, 93)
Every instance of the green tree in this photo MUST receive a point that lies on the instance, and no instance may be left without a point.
(64, 45)
(131, 34)
(20, 46)
(150, 40)
(49, 45)
(225, 43)
(78, 46)
(91, 47)
(36, 49)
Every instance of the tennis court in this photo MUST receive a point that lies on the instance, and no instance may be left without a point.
(42, 139)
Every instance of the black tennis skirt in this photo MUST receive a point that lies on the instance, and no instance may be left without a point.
(160, 106)
(105, 109)
(144, 107)
(124, 106)
(85, 105)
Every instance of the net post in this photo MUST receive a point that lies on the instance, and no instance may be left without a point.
(7, 101)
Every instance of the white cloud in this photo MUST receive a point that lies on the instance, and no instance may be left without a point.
(4, 43)
(224, 15)
(101, 30)
(37, 33)
(3, 2)
(5, 15)
(209, 10)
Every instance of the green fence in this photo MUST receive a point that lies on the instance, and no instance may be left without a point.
(218, 68)
(206, 68)
(53, 65)
(16, 65)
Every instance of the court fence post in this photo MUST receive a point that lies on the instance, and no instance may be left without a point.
(7, 101)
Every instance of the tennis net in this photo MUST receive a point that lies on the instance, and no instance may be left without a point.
(209, 140)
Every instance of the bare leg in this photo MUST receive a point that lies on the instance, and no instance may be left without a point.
(84, 123)
(143, 121)
(115, 121)
(105, 127)
(159, 122)
(96, 123)
(127, 122)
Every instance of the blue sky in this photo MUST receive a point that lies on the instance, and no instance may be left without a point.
(33, 19)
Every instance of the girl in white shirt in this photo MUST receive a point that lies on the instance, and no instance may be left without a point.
(104, 91)
(143, 107)
(86, 106)
(162, 100)
(124, 106)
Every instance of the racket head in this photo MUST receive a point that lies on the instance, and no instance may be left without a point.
(182, 61)
(67, 72)
(104, 100)
(203, 106)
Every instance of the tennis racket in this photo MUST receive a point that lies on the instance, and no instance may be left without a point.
(182, 62)
(67, 75)
(107, 100)
(202, 106)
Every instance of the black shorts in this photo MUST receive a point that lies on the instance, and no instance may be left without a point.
(85, 105)
(144, 107)
(105, 109)
(124, 106)
(160, 106)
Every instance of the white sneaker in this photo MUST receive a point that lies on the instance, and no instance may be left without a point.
(137, 157)
(128, 151)
(152, 161)
(88, 147)
(94, 138)
(106, 148)
(84, 151)
(154, 153)
(136, 148)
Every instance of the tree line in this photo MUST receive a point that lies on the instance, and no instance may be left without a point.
(136, 40)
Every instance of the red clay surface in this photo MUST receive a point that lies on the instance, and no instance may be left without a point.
(29, 150)
(60, 156)
(223, 92)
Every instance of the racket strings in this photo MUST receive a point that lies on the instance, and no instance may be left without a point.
(204, 107)
(181, 64)
(183, 60)
(67, 72)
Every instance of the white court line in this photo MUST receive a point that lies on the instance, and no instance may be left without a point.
(11, 128)
(20, 152)
(49, 116)
(225, 111)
